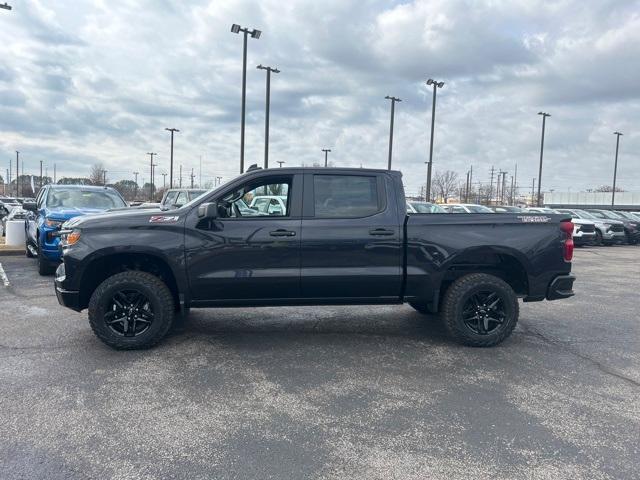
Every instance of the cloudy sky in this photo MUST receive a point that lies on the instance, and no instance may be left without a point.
(88, 81)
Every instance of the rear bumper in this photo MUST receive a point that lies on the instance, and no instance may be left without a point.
(561, 287)
(66, 298)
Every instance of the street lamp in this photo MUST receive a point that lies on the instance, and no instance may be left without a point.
(172, 130)
(235, 28)
(544, 118)
(280, 162)
(436, 85)
(266, 118)
(393, 106)
(5, 6)
(615, 168)
(326, 153)
(151, 154)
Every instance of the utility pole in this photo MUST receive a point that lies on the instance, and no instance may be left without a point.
(172, 130)
(104, 178)
(192, 176)
(151, 154)
(504, 184)
(515, 184)
(501, 183)
(615, 168)
(511, 201)
(235, 28)
(533, 188)
(544, 118)
(393, 108)
(17, 173)
(266, 116)
(180, 175)
(491, 185)
(470, 181)
(219, 179)
(326, 153)
(40, 177)
(135, 189)
(164, 181)
(466, 190)
(280, 162)
(433, 120)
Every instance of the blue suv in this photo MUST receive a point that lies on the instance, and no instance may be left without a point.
(54, 205)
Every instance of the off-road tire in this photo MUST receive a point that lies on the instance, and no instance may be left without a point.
(156, 292)
(458, 294)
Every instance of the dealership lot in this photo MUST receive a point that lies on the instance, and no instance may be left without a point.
(326, 392)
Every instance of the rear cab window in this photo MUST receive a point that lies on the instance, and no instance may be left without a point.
(347, 196)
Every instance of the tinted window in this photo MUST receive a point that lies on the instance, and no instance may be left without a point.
(340, 196)
(423, 207)
(250, 200)
(182, 199)
(170, 198)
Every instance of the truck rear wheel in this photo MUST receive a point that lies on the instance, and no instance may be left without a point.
(480, 310)
(131, 310)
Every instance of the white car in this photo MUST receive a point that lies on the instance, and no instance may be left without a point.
(584, 230)
(423, 207)
(269, 204)
(607, 232)
(466, 208)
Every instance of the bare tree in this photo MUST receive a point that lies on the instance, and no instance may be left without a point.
(445, 184)
(96, 174)
(607, 188)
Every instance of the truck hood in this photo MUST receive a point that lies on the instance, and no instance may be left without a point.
(64, 213)
(113, 217)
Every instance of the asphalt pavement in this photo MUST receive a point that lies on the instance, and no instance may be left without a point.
(326, 392)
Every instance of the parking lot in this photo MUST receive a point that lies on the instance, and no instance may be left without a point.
(331, 392)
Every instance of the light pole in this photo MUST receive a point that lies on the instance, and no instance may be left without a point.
(151, 154)
(393, 108)
(5, 6)
(17, 173)
(544, 119)
(235, 28)
(280, 162)
(40, 176)
(266, 117)
(436, 85)
(219, 179)
(326, 153)
(104, 178)
(172, 130)
(135, 189)
(615, 168)
(164, 181)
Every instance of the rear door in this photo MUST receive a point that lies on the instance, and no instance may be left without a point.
(351, 237)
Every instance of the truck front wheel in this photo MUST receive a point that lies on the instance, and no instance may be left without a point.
(480, 310)
(131, 310)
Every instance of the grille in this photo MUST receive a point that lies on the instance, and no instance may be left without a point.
(587, 228)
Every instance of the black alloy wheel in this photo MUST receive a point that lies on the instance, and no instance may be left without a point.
(484, 312)
(129, 313)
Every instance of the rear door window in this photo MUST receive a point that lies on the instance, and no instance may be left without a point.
(346, 196)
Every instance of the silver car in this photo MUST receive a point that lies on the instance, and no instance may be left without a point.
(608, 231)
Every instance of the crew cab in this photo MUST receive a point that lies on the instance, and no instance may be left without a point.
(344, 238)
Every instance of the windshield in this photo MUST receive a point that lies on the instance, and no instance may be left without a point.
(195, 194)
(479, 209)
(76, 198)
(424, 207)
(584, 214)
(611, 215)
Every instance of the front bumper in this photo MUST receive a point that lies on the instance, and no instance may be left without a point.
(66, 298)
(561, 287)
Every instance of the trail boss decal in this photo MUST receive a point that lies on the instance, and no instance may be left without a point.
(164, 218)
(533, 219)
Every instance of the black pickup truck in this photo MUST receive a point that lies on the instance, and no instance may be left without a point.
(344, 238)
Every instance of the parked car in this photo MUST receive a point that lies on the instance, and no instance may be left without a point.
(507, 209)
(15, 214)
(423, 207)
(345, 239)
(465, 208)
(177, 197)
(7, 204)
(634, 217)
(270, 204)
(631, 227)
(54, 205)
(608, 232)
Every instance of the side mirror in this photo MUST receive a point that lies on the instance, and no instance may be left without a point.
(30, 206)
(208, 210)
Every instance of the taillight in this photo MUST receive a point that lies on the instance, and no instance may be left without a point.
(567, 245)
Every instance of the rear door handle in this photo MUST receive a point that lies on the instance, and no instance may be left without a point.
(381, 232)
(282, 233)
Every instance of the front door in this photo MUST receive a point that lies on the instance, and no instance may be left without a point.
(245, 253)
(351, 243)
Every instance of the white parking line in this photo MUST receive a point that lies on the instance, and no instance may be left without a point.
(3, 276)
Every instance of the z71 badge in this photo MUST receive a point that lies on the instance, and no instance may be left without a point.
(164, 218)
(533, 218)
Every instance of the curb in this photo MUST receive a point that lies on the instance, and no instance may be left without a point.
(5, 252)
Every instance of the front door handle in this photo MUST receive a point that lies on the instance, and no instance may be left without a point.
(381, 232)
(282, 233)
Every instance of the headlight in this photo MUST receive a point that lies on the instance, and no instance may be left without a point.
(53, 223)
(70, 238)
